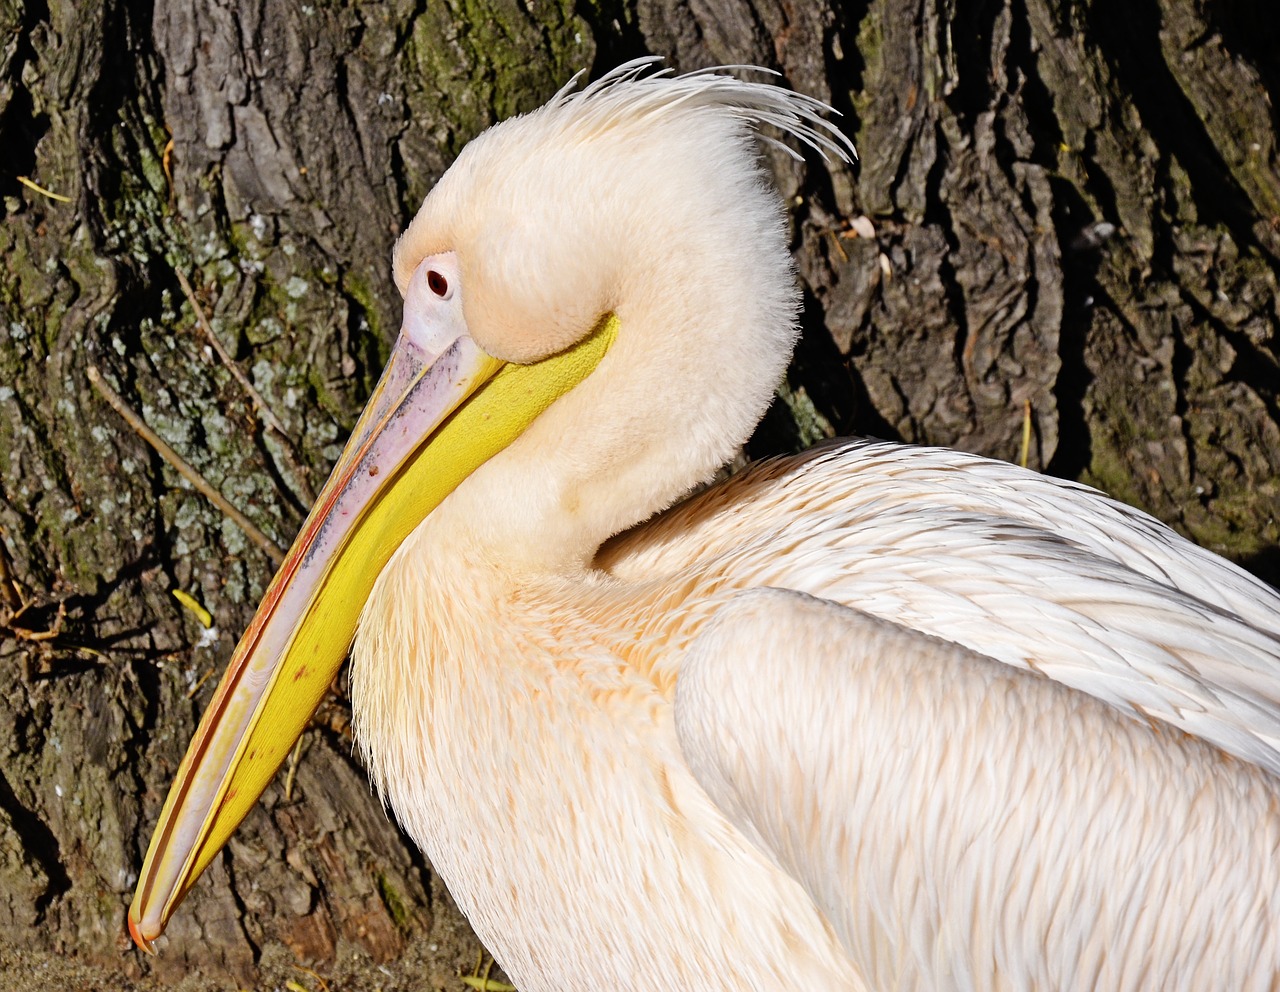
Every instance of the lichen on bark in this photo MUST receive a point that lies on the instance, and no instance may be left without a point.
(1074, 209)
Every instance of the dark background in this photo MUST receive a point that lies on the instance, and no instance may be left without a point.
(1074, 213)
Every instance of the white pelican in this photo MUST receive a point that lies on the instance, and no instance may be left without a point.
(874, 717)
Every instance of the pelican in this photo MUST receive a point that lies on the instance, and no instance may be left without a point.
(872, 717)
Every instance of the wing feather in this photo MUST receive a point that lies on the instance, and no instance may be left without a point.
(1031, 571)
(963, 824)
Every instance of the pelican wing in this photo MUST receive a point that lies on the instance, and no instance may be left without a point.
(935, 804)
(1021, 568)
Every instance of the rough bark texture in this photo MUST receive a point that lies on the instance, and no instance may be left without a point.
(1075, 217)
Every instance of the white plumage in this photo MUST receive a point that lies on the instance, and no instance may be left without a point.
(873, 717)
(1011, 833)
(959, 823)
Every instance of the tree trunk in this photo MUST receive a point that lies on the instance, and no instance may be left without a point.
(1067, 216)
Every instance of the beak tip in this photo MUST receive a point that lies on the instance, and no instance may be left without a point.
(144, 944)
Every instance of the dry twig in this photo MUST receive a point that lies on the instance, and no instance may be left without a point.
(30, 184)
(265, 413)
(198, 481)
(1025, 454)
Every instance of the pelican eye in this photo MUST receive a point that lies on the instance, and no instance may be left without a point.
(437, 283)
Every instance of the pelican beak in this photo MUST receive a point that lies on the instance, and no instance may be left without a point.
(436, 415)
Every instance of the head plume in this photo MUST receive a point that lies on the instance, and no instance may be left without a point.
(552, 211)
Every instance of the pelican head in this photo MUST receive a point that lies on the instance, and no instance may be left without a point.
(642, 198)
(603, 283)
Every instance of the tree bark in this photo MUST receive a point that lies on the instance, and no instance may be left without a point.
(1067, 215)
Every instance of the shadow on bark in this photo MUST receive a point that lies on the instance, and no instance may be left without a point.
(1074, 218)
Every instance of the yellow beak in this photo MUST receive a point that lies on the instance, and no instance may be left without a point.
(431, 421)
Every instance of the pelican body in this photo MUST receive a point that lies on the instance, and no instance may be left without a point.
(873, 717)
